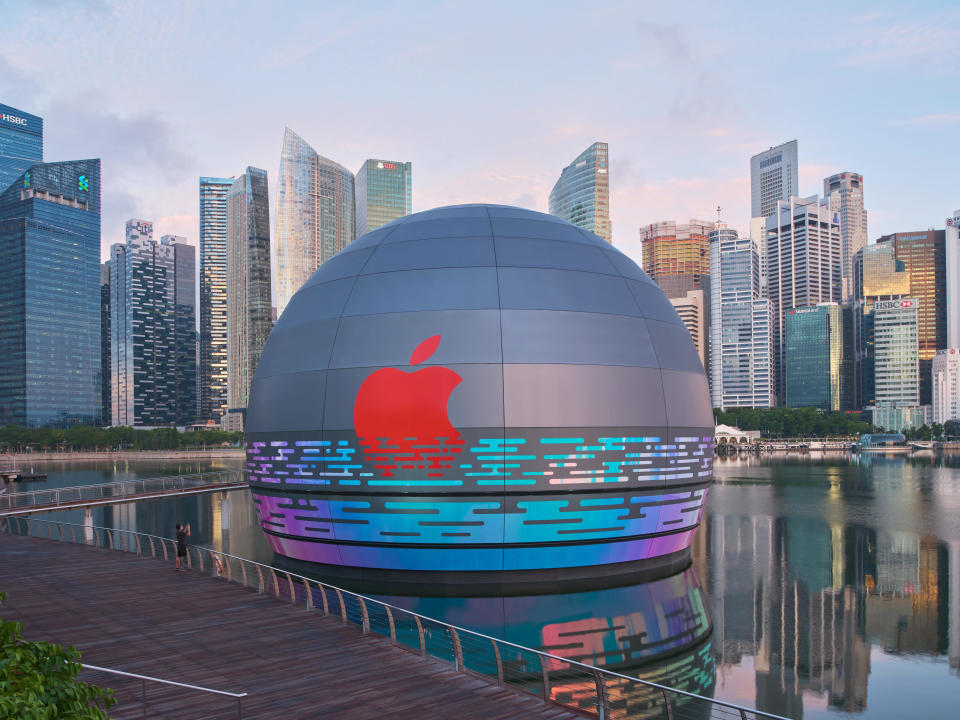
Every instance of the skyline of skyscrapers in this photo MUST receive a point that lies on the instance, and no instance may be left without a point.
(21, 143)
(249, 309)
(384, 192)
(582, 193)
(212, 371)
(50, 298)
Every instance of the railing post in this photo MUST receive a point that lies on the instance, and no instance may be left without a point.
(496, 654)
(423, 641)
(163, 546)
(243, 573)
(323, 596)
(457, 650)
(60, 530)
(364, 617)
(601, 695)
(109, 535)
(309, 594)
(276, 583)
(136, 540)
(666, 704)
(293, 597)
(260, 579)
(229, 571)
(393, 628)
(343, 608)
(73, 535)
(546, 678)
(153, 552)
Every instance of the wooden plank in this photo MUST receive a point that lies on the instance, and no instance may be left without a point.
(140, 615)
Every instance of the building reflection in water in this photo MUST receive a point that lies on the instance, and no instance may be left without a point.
(809, 592)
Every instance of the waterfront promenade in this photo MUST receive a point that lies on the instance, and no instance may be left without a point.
(139, 615)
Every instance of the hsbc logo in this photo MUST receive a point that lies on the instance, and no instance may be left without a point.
(906, 303)
(13, 119)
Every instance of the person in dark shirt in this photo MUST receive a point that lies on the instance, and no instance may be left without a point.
(182, 535)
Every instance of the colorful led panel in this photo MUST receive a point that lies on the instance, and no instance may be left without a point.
(484, 389)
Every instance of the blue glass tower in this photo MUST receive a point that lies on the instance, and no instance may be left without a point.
(50, 297)
(582, 194)
(21, 143)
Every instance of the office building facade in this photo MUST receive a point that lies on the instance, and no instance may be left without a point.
(21, 143)
(384, 192)
(774, 176)
(946, 385)
(152, 320)
(677, 257)
(582, 194)
(802, 264)
(248, 283)
(952, 278)
(814, 359)
(106, 416)
(212, 368)
(923, 254)
(50, 297)
(691, 308)
(741, 351)
(896, 343)
(844, 191)
(316, 214)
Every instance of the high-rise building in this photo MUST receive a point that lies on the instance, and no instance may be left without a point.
(106, 415)
(923, 254)
(50, 296)
(844, 191)
(315, 214)
(582, 194)
(677, 257)
(212, 368)
(814, 357)
(802, 263)
(184, 328)
(896, 343)
(691, 309)
(248, 282)
(384, 192)
(774, 176)
(877, 275)
(946, 385)
(741, 351)
(21, 143)
(152, 319)
(952, 257)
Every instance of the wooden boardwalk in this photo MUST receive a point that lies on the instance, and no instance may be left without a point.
(140, 615)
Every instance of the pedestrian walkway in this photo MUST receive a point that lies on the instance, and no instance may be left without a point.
(139, 615)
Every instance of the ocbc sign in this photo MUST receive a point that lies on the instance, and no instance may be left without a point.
(13, 119)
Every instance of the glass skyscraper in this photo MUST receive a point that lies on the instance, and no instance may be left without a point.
(248, 282)
(213, 298)
(814, 357)
(50, 297)
(741, 351)
(105, 401)
(21, 143)
(383, 193)
(152, 335)
(844, 192)
(774, 176)
(315, 214)
(582, 194)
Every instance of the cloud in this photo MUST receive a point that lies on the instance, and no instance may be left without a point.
(945, 118)
(880, 40)
(669, 39)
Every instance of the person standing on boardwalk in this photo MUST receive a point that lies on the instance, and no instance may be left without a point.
(182, 535)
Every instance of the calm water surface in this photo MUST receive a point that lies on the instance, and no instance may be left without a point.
(819, 587)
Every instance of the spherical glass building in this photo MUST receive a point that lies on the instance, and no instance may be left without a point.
(479, 394)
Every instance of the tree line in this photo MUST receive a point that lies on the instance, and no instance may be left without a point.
(812, 422)
(14, 438)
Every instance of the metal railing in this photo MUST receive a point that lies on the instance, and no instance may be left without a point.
(575, 685)
(122, 490)
(144, 679)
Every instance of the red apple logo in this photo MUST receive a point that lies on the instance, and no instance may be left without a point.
(401, 417)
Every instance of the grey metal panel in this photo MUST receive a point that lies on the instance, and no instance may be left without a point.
(297, 348)
(536, 228)
(508, 212)
(545, 289)
(557, 336)
(467, 336)
(543, 253)
(476, 402)
(432, 253)
(425, 227)
(315, 303)
(454, 212)
(374, 237)
(688, 399)
(582, 395)
(627, 267)
(287, 402)
(341, 265)
(674, 347)
(653, 303)
(594, 238)
(411, 290)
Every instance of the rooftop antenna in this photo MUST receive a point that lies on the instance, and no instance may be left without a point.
(718, 214)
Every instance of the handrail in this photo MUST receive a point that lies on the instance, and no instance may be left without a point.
(269, 582)
(165, 682)
(80, 494)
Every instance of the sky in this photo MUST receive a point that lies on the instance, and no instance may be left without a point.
(489, 101)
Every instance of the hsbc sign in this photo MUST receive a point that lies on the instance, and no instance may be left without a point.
(7, 117)
(894, 304)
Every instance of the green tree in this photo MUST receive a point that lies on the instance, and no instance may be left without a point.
(38, 680)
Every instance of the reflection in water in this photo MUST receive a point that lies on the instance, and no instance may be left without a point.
(832, 586)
